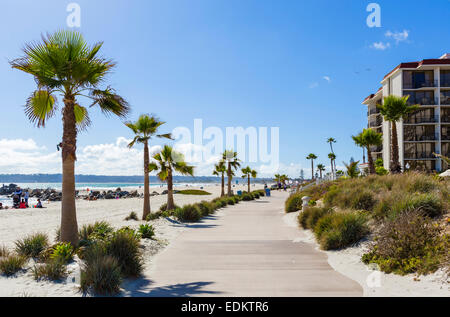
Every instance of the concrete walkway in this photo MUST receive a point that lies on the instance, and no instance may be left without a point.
(246, 251)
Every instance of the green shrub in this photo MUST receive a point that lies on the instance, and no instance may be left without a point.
(11, 264)
(100, 273)
(230, 201)
(62, 251)
(247, 197)
(293, 203)
(223, 202)
(315, 213)
(124, 246)
(132, 216)
(363, 200)
(32, 245)
(409, 243)
(147, 231)
(97, 231)
(380, 170)
(163, 207)
(303, 217)
(188, 213)
(430, 205)
(154, 215)
(54, 270)
(339, 230)
(206, 208)
(4, 251)
(255, 194)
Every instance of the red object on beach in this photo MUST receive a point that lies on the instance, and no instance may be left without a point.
(22, 206)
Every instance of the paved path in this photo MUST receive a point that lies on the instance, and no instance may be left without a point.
(246, 251)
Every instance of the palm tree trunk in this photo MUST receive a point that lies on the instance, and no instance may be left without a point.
(364, 156)
(69, 225)
(332, 168)
(370, 159)
(222, 193)
(146, 209)
(312, 169)
(248, 183)
(229, 179)
(170, 203)
(394, 164)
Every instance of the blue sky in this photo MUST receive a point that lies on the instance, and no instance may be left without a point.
(303, 66)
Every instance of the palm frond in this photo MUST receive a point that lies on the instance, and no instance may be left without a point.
(109, 102)
(40, 107)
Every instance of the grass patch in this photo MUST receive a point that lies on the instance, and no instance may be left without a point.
(189, 213)
(293, 203)
(54, 270)
(198, 192)
(146, 231)
(12, 264)
(32, 245)
(132, 216)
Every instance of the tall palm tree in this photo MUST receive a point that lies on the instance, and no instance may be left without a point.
(332, 158)
(368, 138)
(321, 169)
(231, 160)
(144, 129)
(63, 63)
(393, 109)
(247, 172)
(359, 142)
(277, 178)
(352, 169)
(168, 161)
(312, 157)
(331, 141)
(220, 169)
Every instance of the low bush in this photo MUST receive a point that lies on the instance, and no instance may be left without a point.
(124, 246)
(32, 245)
(147, 231)
(154, 215)
(11, 264)
(4, 251)
(163, 207)
(255, 194)
(247, 197)
(100, 274)
(206, 208)
(62, 252)
(409, 243)
(230, 201)
(363, 200)
(97, 231)
(309, 217)
(54, 270)
(132, 216)
(339, 230)
(188, 213)
(293, 203)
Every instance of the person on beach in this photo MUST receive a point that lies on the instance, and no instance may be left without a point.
(1, 206)
(39, 204)
(22, 204)
(26, 196)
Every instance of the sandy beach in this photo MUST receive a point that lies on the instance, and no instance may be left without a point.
(16, 224)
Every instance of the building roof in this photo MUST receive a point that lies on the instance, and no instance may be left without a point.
(371, 96)
(434, 61)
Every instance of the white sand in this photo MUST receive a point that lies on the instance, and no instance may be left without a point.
(15, 224)
(374, 282)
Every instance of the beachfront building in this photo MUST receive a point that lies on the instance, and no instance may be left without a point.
(427, 130)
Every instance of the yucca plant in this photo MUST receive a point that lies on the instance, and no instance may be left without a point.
(63, 63)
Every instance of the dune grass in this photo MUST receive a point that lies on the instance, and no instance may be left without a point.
(193, 192)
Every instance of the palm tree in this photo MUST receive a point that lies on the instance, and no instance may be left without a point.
(232, 162)
(369, 137)
(332, 158)
(277, 178)
(393, 109)
(247, 173)
(331, 141)
(359, 142)
(352, 169)
(312, 157)
(63, 63)
(144, 128)
(168, 161)
(220, 169)
(321, 169)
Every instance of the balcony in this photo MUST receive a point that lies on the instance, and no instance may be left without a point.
(445, 83)
(420, 84)
(376, 149)
(374, 111)
(422, 101)
(445, 99)
(445, 137)
(375, 123)
(445, 119)
(421, 119)
(422, 137)
(419, 156)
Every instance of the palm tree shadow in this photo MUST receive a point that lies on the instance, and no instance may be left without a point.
(176, 290)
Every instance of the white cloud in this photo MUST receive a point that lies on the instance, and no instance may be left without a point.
(314, 85)
(380, 46)
(398, 36)
(327, 78)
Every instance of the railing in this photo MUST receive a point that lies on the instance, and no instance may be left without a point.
(419, 156)
(445, 119)
(445, 83)
(422, 137)
(445, 137)
(422, 119)
(421, 84)
(375, 149)
(445, 100)
(375, 123)
(422, 101)
(374, 111)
